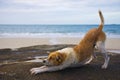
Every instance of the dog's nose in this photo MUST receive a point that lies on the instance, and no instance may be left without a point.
(44, 61)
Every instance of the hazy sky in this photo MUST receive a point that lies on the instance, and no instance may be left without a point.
(58, 11)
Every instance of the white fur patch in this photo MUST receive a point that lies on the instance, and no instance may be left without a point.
(71, 55)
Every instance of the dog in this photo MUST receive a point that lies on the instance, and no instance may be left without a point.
(78, 55)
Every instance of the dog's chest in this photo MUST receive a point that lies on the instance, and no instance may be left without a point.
(71, 56)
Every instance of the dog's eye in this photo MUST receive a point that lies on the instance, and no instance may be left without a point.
(58, 58)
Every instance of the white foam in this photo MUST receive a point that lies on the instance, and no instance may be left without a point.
(49, 35)
(113, 35)
(40, 35)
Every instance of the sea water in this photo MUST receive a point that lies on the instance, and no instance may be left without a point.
(38, 31)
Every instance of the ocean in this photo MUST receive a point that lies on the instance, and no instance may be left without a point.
(38, 31)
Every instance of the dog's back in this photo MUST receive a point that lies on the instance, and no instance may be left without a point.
(86, 46)
(92, 35)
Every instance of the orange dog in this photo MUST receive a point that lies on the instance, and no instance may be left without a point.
(78, 55)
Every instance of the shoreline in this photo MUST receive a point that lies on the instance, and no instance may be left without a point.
(111, 43)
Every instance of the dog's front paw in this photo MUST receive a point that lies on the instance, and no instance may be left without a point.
(38, 70)
(35, 70)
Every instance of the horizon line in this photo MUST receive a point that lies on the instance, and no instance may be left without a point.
(61, 24)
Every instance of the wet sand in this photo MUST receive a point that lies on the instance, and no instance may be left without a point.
(111, 43)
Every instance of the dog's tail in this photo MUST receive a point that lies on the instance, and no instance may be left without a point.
(102, 22)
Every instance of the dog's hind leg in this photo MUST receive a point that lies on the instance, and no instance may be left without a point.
(101, 47)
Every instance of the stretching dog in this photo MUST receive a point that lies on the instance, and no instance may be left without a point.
(78, 55)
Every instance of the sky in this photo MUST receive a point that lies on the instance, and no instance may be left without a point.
(58, 11)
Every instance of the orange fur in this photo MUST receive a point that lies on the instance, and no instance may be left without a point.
(102, 37)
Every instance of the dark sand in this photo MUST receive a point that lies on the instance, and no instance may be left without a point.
(13, 67)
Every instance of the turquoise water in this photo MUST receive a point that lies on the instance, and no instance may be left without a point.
(54, 30)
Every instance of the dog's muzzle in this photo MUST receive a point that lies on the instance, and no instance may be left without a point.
(44, 61)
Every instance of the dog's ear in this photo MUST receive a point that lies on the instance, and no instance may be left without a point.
(59, 57)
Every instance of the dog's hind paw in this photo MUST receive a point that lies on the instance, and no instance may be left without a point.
(104, 66)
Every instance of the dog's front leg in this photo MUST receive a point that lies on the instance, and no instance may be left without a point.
(46, 69)
(37, 70)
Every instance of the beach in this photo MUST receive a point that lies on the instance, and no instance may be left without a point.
(19, 55)
(32, 29)
(24, 47)
(111, 43)
(16, 36)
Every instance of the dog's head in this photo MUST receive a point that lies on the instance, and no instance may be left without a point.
(55, 59)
